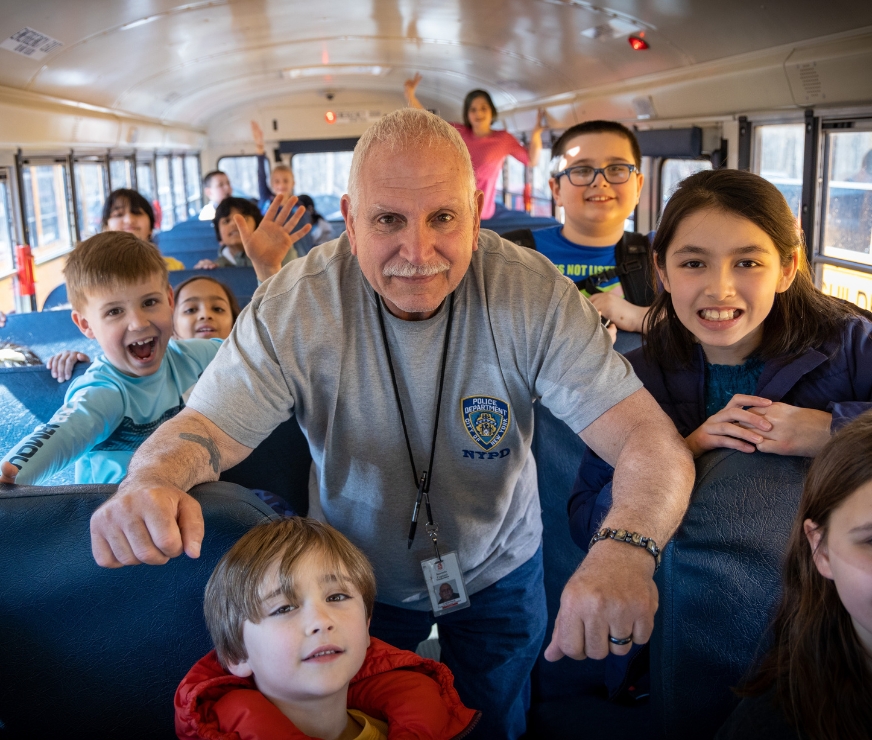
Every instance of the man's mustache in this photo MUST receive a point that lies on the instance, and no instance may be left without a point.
(403, 268)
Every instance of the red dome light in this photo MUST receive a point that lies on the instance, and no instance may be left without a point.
(638, 44)
(330, 116)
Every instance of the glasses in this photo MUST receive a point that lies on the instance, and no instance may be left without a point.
(614, 174)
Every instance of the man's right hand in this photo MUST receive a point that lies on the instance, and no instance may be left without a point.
(146, 523)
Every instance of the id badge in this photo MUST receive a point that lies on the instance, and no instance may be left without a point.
(445, 584)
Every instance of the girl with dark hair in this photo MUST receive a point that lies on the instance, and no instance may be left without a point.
(816, 680)
(741, 350)
(128, 210)
(488, 148)
(204, 308)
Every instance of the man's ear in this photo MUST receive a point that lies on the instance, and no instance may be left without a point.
(661, 274)
(815, 536)
(788, 273)
(476, 227)
(84, 327)
(345, 207)
(241, 670)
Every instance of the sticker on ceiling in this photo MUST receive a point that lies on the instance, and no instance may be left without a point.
(30, 43)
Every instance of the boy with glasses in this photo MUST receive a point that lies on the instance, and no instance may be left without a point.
(596, 179)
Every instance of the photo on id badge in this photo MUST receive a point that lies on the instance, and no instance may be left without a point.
(445, 584)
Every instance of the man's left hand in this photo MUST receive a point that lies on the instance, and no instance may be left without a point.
(611, 593)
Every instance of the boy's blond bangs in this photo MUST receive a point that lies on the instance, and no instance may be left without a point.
(234, 592)
(111, 261)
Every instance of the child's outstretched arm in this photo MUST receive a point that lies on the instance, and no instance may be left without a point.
(625, 315)
(732, 427)
(87, 418)
(62, 364)
(264, 193)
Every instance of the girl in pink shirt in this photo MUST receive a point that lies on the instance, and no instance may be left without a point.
(488, 148)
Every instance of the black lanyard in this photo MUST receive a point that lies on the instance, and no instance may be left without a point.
(422, 484)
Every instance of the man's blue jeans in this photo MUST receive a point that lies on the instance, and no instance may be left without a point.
(490, 647)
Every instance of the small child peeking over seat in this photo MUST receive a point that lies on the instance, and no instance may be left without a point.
(288, 608)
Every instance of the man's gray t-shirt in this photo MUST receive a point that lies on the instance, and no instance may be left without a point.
(310, 344)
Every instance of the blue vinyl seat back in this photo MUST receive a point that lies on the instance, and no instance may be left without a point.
(29, 396)
(507, 220)
(47, 333)
(188, 236)
(241, 280)
(719, 584)
(92, 652)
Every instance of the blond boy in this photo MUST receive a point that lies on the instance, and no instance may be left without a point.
(118, 287)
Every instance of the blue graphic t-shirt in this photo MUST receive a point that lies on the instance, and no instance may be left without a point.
(106, 416)
(576, 261)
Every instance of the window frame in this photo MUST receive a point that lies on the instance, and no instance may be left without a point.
(36, 160)
(84, 158)
(7, 175)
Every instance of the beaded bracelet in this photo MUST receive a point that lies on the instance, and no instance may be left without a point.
(631, 538)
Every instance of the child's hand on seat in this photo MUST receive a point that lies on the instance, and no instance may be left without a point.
(62, 364)
(623, 314)
(8, 472)
(733, 427)
(205, 265)
(795, 430)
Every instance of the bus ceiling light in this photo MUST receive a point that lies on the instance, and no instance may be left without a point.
(335, 69)
(330, 116)
(638, 43)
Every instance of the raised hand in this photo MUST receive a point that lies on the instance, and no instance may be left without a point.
(733, 426)
(540, 116)
(257, 135)
(62, 364)
(269, 243)
(409, 88)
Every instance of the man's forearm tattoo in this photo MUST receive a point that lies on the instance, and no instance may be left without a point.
(214, 454)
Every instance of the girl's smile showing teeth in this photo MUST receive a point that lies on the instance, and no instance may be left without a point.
(719, 314)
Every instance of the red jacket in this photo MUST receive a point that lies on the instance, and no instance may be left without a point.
(415, 696)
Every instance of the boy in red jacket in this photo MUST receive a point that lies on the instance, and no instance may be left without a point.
(288, 608)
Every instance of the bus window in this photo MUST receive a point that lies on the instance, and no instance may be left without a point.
(120, 173)
(850, 285)
(47, 209)
(145, 180)
(541, 191)
(673, 171)
(192, 184)
(7, 259)
(180, 197)
(91, 193)
(324, 177)
(242, 173)
(778, 157)
(164, 192)
(847, 197)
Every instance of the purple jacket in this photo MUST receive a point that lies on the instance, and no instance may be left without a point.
(836, 378)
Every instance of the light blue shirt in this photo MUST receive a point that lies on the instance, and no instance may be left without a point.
(106, 416)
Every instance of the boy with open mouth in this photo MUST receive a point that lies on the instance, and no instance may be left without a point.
(118, 286)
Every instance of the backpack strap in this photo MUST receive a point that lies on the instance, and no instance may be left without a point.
(521, 237)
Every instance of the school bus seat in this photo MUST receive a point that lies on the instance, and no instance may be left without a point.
(719, 584)
(241, 280)
(29, 396)
(188, 236)
(93, 652)
(46, 333)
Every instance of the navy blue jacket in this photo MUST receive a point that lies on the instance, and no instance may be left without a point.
(836, 378)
